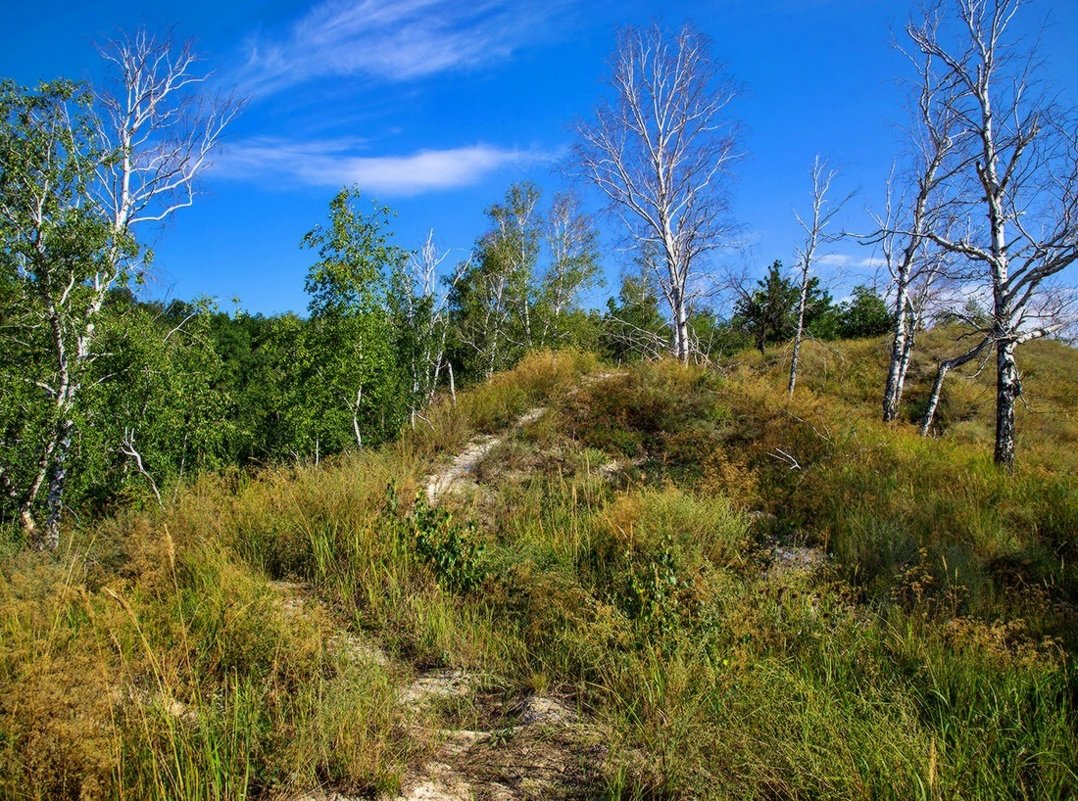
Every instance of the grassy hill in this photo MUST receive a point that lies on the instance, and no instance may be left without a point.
(721, 593)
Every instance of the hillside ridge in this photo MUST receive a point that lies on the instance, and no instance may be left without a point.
(630, 594)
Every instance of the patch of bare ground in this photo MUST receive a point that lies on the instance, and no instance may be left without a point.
(459, 474)
(613, 468)
(795, 559)
(540, 748)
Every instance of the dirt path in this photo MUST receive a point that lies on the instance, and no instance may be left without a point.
(535, 747)
(519, 747)
(458, 474)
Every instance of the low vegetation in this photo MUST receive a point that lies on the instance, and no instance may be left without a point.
(748, 596)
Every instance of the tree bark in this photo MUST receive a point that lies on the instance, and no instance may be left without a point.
(681, 328)
(1008, 390)
(54, 502)
(900, 353)
(907, 354)
(799, 333)
(941, 372)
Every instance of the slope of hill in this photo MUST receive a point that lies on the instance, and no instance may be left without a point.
(578, 582)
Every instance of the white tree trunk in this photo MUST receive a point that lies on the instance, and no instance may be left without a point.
(799, 331)
(941, 373)
(1008, 390)
(815, 234)
(901, 348)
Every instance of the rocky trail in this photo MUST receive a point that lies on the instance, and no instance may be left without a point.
(514, 748)
(456, 476)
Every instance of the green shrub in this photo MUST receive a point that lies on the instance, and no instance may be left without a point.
(452, 550)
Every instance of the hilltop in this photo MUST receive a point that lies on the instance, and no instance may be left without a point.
(582, 581)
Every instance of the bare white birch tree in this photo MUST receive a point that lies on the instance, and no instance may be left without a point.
(916, 265)
(423, 314)
(148, 140)
(1017, 199)
(916, 268)
(815, 228)
(659, 153)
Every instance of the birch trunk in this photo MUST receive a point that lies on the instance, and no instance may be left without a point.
(54, 502)
(799, 333)
(1008, 389)
(937, 386)
(934, 398)
(681, 327)
(901, 348)
(907, 354)
(815, 234)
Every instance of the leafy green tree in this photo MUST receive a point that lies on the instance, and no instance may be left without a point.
(156, 407)
(504, 301)
(56, 250)
(573, 268)
(349, 385)
(81, 170)
(355, 255)
(714, 337)
(768, 314)
(865, 314)
(492, 305)
(346, 386)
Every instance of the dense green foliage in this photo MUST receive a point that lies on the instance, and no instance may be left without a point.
(768, 314)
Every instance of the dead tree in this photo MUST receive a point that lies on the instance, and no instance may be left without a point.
(659, 153)
(815, 228)
(127, 448)
(1017, 196)
(916, 265)
(423, 312)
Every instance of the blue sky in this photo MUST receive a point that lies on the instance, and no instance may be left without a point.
(434, 107)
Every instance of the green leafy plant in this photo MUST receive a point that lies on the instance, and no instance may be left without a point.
(452, 549)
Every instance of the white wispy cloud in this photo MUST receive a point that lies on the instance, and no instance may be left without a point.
(872, 261)
(841, 260)
(334, 163)
(395, 40)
